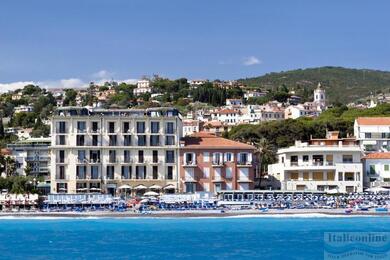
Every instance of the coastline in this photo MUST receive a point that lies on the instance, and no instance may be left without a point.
(194, 214)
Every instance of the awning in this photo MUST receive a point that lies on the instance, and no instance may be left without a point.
(140, 187)
(169, 187)
(369, 142)
(124, 187)
(155, 187)
(111, 185)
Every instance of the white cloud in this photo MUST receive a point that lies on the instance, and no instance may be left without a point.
(4, 87)
(102, 74)
(251, 60)
(62, 83)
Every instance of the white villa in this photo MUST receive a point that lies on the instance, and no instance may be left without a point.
(373, 133)
(326, 164)
(377, 170)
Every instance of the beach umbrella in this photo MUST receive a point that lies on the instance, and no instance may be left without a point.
(124, 187)
(169, 187)
(155, 187)
(151, 193)
(377, 189)
(333, 191)
(140, 187)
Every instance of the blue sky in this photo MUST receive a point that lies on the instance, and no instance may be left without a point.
(68, 43)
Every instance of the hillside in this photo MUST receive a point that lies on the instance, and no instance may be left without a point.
(342, 84)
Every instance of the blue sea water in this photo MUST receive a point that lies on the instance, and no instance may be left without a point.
(195, 238)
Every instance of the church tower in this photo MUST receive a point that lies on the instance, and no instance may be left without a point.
(320, 97)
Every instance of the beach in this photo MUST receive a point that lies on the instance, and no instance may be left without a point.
(193, 213)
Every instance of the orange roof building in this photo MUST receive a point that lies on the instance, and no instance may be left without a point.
(210, 163)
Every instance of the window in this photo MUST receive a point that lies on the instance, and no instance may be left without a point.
(61, 140)
(243, 158)
(81, 155)
(110, 172)
(372, 170)
(81, 127)
(169, 140)
(170, 173)
(217, 159)
(94, 156)
(61, 127)
(126, 172)
(169, 128)
(111, 127)
(305, 158)
(155, 172)
(127, 140)
(112, 140)
(229, 157)
(141, 127)
(190, 187)
(95, 127)
(140, 172)
(386, 167)
(61, 154)
(155, 156)
(95, 140)
(229, 174)
(217, 187)
(347, 158)
(80, 140)
(154, 140)
(140, 156)
(95, 172)
(155, 127)
(126, 127)
(126, 156)
(112, 156)
(170, 156)
(142, 140)
(341, 177)
(367, 135)
(61, 173)
(206, 157)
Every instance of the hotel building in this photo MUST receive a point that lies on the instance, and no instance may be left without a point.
(320, 165)
(211, 164)
(373, 133)
(99, 150)
(31, 154)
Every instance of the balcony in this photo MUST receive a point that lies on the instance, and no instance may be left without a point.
(189, 164)
(37, 158)
(244, 164)
(126, 161)
(217, 164)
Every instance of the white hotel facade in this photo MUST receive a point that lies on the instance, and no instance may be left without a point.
(98, 150)
(320, 165)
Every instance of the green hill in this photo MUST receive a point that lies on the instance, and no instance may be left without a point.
(341, 84)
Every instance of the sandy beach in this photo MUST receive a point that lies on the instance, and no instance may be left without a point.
(194, 214)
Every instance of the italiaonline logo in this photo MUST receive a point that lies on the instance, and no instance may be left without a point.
(357, 245)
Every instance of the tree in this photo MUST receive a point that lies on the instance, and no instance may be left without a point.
(1, 127)
(70, 97)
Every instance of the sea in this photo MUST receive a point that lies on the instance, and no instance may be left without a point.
(276, 237)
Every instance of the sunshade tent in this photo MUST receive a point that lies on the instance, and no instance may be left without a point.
(151, 193)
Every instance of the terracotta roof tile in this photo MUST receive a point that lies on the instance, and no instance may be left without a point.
(373, 120)
(377, 156)
(203, 140)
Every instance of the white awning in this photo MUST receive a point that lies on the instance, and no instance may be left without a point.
(369, 142)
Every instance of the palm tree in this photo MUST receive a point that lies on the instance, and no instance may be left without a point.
(266, 154)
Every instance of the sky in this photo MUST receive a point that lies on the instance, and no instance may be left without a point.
(67, 43)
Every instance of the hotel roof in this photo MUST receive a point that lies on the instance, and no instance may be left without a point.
(373, 120)
(204, 140)
(377, 156)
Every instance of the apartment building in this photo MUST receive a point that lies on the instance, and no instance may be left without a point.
(210, 163)
(326, 164)
(377, 170)
(143, 86)
(373, 133)
(99, 150)
(32, 156)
